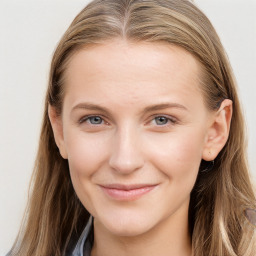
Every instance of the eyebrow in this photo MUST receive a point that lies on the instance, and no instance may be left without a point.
(164, 106)
(92, 106)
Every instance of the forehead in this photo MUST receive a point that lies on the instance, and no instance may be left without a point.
(132, 71)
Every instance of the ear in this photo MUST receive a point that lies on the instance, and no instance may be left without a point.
(218, 131)
(57, 127)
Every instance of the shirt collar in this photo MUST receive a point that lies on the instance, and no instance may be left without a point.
(83, 246)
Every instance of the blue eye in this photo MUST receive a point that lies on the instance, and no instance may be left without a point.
(161, 120)
(94, 120)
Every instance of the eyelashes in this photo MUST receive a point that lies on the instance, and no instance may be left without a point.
(93, 120)
(157, 120)
(163, 120)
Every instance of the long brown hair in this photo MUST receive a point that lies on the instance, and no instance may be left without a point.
(54, 216)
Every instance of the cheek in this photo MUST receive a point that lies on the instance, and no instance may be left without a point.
(178, 155)
(86, 153)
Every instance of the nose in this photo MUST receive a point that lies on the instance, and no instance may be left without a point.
(126, 156)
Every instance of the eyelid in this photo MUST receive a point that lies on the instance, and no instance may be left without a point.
(86, 117)
(172, 119)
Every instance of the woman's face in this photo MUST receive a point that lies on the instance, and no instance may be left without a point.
(135, 129)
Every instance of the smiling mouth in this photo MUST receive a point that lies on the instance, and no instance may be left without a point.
(122, 192)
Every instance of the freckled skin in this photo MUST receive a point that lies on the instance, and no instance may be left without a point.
(128, 146)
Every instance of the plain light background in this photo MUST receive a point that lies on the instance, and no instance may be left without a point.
(29, 32)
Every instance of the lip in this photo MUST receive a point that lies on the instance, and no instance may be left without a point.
(123, 192)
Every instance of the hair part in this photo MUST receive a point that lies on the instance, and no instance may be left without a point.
(54, 215)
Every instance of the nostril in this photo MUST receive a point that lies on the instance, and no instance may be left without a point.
(126, 164)
(126, 161)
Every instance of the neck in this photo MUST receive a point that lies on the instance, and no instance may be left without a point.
(169, 237)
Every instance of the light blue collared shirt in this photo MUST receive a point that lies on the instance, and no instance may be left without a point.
(84, 246)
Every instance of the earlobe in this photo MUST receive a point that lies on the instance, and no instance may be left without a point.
(218, 131)
(57, 128)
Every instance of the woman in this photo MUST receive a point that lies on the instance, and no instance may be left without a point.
(142, 143)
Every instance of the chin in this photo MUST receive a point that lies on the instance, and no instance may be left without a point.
(128, 230)
(127, 225)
